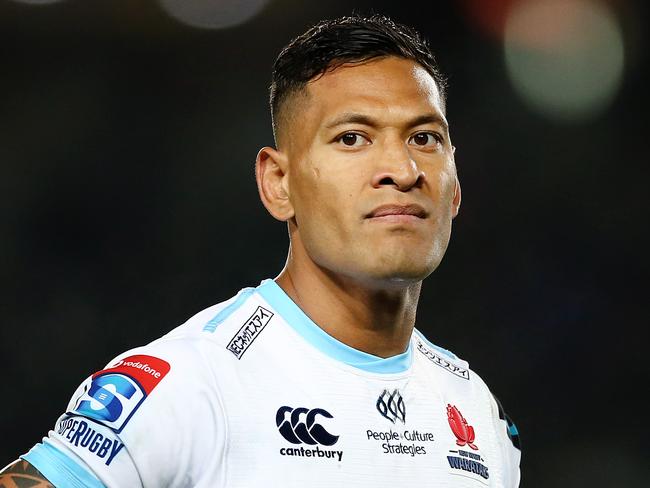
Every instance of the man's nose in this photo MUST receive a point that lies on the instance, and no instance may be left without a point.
(397, 168)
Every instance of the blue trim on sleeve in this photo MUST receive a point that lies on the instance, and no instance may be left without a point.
(312, 333)
(228, 310)
(512, 429)
(60, 469)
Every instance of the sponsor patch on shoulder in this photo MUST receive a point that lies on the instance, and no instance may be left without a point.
(88, 435)
(249, 331)
(116, 392)
(441, 361)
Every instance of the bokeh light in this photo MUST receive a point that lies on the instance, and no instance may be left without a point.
(212, 14)
(488, 17)
(564, 57)
(37, 2)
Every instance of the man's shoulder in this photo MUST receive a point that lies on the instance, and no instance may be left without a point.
(186, 362)
(188, 346)
(212, 322)
(442, 358)
(228, 327)
(206, 322)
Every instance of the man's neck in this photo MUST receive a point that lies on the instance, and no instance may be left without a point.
(372, 319)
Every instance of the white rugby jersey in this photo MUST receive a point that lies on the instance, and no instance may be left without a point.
(252, 393)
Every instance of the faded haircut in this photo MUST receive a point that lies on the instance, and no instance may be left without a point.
(332, 43)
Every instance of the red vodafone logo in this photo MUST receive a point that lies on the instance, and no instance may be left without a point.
(148, 371)
(462, 430)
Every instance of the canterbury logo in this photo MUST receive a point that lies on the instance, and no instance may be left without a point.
(391, 406)
(300, 426)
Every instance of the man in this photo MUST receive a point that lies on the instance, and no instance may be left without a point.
(317, 378)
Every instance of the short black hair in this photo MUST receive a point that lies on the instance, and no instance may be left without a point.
(332, 43)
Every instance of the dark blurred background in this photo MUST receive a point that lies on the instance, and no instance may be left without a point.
(128, 133)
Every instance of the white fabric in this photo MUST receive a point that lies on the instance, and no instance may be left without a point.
(212, 420)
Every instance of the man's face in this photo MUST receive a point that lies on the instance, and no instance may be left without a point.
(371, 172)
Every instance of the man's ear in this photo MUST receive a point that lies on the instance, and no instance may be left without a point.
(455, 202)
(271, 173)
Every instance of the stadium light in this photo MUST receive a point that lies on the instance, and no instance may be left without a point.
(565, 58)
(212, 14)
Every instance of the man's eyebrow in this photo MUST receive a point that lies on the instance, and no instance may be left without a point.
(351, 118)
(357, 118)
(430, 119)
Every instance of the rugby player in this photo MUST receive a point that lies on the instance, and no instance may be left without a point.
(317, 378)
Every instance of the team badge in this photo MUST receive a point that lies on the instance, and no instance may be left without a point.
(465, 462)
(117, 392)
(462, 430)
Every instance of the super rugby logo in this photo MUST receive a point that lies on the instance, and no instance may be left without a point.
(86, 434)
(302, 426)
(117, 392)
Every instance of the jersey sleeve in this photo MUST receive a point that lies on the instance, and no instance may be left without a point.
(509, 444)
(151, 418)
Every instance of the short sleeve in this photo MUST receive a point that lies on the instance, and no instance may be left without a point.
(150, 418)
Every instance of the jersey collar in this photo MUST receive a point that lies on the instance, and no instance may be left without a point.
(317, 337)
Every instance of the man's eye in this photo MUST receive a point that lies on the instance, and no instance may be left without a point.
(425, 139)
(351, 139)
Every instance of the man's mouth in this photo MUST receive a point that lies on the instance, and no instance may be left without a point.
(397, 214)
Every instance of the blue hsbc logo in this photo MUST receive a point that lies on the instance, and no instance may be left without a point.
(111, 400)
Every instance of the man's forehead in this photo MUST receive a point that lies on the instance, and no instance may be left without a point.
(384, 81)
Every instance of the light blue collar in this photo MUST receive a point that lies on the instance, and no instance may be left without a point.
(317, 337)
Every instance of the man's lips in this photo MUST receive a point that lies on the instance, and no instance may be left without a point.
(411, 210)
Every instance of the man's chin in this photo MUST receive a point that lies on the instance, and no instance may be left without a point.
(400, 277)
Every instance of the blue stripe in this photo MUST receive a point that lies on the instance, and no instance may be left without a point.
(437, 348)
(312, 333)
(229, 310)
(60, 469)
(512, 429)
